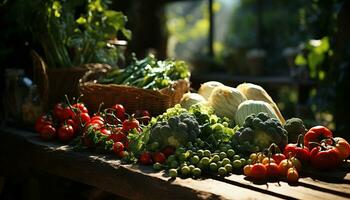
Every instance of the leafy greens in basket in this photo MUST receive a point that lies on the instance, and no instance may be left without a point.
(148, 73)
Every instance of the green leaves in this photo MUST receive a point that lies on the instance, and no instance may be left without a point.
(317, 51)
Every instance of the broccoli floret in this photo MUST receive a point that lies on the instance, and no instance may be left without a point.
(294, 127)
(263, 116)
(176, 131)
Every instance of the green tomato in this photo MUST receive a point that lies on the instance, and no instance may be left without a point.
(157, 166)
(196, 172)
(249, 161)
(185, 170)
(215, 158)
(219, 163)
(194, 160)
(230, 153)
(228, 168)
(243, 161)
(179, 151)
(223, 149)
(225, 161)
(189, 153)
(237, 164)
(213, 167)
(182, 157)
(154, 146)
(171, 158)
(173, 173)
(174, 164)
(236, 157)
(222, 171)
(207, 153)
(205, 161)
(200, 153)
(191, 167)
(222, 155)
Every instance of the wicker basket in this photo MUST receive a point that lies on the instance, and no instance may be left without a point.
(54, 83)
(133, 98)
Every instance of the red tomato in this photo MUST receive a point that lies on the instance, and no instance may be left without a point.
(130, 124)
(81, 107)
(146, 158)
(267, 160)
(72, 123)
(159, 157)
(300, 152)
(292, 175)
(62, 112)
(325, 157)
(143, 116)
(343, 147)
(123, 154)
(105, 131)
(117, 137)
(278, 157)
(97, 118)
(258, 171)
(272, 170)
(42, 121)
(66, 133)
(47, 132)
(316, 134)
(169, 150)
(118, 147)
(119, 111)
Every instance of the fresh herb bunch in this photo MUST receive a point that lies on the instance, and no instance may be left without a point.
(73, 33)
(148, 73)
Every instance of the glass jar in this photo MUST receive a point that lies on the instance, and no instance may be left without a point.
(16, 89)
(31, 107)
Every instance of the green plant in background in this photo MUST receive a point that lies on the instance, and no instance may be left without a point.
(72, 33)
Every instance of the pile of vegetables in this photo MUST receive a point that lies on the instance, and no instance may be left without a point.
(148, 73)
(198, 138)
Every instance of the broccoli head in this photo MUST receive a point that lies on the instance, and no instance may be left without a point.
(261, 131)
(294, 127)
(175, 131)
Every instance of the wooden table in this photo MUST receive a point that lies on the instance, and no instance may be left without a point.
(23, 150)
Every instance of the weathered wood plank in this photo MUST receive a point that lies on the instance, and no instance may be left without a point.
(134, 182)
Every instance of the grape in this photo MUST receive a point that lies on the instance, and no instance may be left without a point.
(173, 173)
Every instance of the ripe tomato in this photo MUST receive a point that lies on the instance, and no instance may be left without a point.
(343, 147)
(119, 111)
(143, 116)
(298, 151)
(66, 133)
(105, 131)
(258, 171)
(61, 112)
(247, 170)
(272, 170)
(292, 175)
(123, 154)
(42, 121)
(72, 123)
(146, 158)
(325, 157)
(47, 132)
(118, 147)
(97, 118)
(278, 157)
(169, 150)
(296, 163)
(316, 134)
(159, 157)
(81, 107)
(130, 124)
(117, 137)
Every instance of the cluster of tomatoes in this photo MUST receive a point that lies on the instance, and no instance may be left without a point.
(320, 148)
(317, 147)
(272, 167)
(109, 127)
(149, 158)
